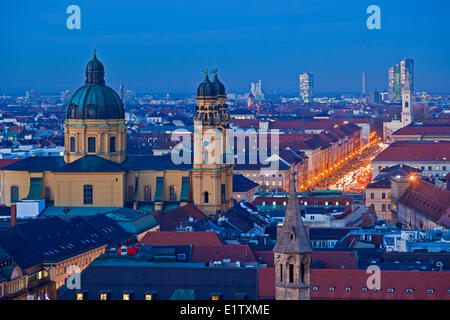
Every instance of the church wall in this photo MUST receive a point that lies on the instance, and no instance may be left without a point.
(108, 189)
(20, 179)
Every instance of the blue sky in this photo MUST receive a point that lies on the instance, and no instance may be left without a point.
(162, 45)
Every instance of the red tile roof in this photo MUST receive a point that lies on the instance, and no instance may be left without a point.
(234, 252)
(169, 238)
(310, 200)
(356, 280)
(7, 162)
(427, 199)
(414, 129)
(416, 151)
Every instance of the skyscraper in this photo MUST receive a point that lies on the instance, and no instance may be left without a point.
(398, 75)
(256, 90)
(364, 84)
(394, 84)
(306, 87)
(407, 70)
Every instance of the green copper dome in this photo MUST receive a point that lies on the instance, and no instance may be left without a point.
(95, 100)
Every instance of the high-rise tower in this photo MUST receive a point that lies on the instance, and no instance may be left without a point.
(292, 253)
(364, 84)
(306, 87)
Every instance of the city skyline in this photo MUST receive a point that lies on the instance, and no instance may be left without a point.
(161, 48)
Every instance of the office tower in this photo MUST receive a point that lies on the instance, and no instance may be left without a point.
(306, 87)
(364, 84)
(394, 84)
(375, 97)
(256, 90)
(407, 69)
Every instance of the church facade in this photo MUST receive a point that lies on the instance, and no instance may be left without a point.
(96, 170)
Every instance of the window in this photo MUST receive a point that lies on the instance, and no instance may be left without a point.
(281, 272)
(409, 290)
(372, 196)
(215, 297)
(112, 144)
(148, 296)
(331, 289)
(376, 290)
(72, 144)
(14, 194)
(364, 289)
(126, 296)
(48, 194)
(383, 195)
(147, 193)
(103, 296)
(303, 272)
(80, 296)
(383, 207)
(348, 289)
(315, 288)
(390, 290)
(223, 193)
(172, 193)
(88, 194)
(91, 144)
(291, 273)
(206, 197)
(430, 291)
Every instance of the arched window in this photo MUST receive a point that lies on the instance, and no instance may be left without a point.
(14, 194)
(112, 144)
(206, 197)
(281, 272)
(48, 194)
(147, 193)
(291, 273)
(172, 193)
(372, 196)
(88, 194)
(91, 144)
(72, 144)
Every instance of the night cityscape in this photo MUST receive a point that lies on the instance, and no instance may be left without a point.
(227, 150)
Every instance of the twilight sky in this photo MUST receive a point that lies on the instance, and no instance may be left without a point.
(162, 45)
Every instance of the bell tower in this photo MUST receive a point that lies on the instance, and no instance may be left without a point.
(292, 253)
(407, 107)
(212, 177)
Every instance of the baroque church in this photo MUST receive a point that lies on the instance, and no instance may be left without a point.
(96, 170)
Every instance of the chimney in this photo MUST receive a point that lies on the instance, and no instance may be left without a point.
(13, 215)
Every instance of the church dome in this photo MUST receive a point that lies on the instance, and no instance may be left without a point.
(206, 88)
(95, 100)
(220, 88)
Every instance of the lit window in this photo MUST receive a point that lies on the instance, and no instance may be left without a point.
(215, 297)
(125, 296)
(390, 290)
(103, 296)
(80, 296)
(149, 296)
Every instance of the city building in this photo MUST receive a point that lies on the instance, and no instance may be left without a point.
(256, 90)
(431, 157)
(97, 171)
(306, 87)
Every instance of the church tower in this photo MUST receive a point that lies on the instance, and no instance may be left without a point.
(95, 121)
(407, 107)
(292, 253)
(212, 177)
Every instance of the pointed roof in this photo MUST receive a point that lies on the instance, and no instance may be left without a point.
(291, 237)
